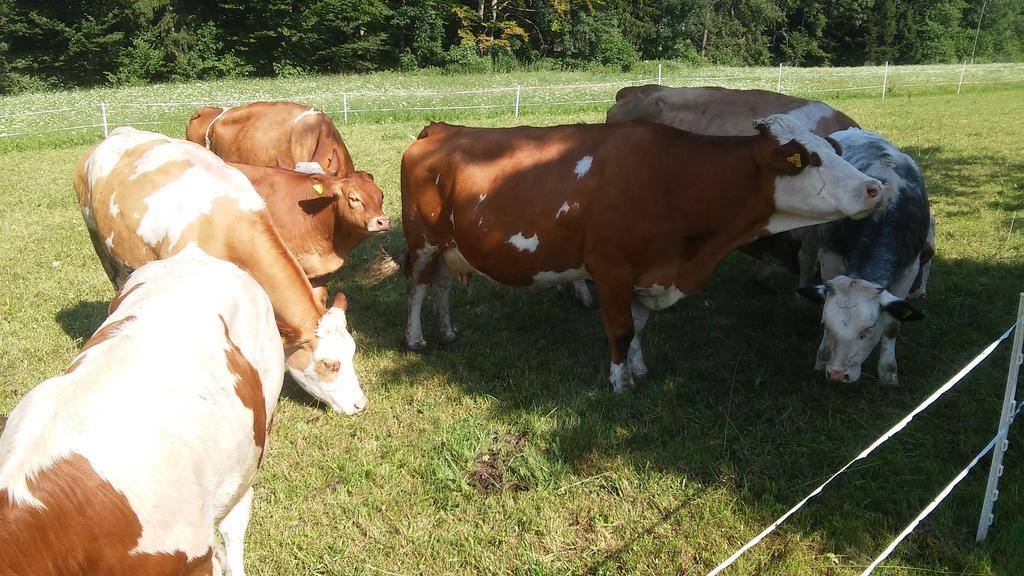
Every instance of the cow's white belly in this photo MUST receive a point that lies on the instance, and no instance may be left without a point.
(658, 297)
(549, 278)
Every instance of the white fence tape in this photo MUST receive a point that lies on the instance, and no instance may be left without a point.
(867, 451)
(798, 80)
(931, 505)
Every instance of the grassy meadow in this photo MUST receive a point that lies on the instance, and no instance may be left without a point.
(506, 453)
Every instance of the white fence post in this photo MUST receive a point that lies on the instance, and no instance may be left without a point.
(885, 79)
(659, 73)
(961, 82)
(1009, 407)
(103, 111)
(778, 85)
(344, 106)
(518, 90)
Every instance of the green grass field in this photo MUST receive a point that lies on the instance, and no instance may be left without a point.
(507, 454)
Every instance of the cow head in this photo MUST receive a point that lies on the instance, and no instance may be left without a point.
(359, 201)
(323, 365)
(812, 182)
(856, 315)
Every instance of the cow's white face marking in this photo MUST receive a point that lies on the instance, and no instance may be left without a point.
(819, 193)
(309, 112)
(335, 344)
(524, 244)
(658, 297)
(549, 278)
(562, 210)
(583, 166)
(853, 316)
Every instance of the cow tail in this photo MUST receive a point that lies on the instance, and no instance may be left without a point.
(382, 267)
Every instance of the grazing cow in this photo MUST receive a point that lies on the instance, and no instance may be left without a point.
(146, 196)
(280, 134)
(124, 464)
(871, 265)
(645, 210)
(320, 217)
(728, 112)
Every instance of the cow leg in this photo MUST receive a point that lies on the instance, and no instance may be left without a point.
(106, 259)
(808, 256)
(232, 530)
(616, 300)
(441, 288)
(636, 355)
(421, 269)
(763, 274)
(887, 355)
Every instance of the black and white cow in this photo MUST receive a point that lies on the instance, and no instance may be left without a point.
(871, 265)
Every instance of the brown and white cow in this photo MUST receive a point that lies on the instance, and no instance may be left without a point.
(280, 134)
(125, 464)
(320, 217)
(146, 196)
(645, 210)
(728, 112)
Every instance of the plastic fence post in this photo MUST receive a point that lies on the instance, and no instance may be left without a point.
(961, 82)
(885, 79)
(344, 106)
(518, 90)
(992, 489)
(659, 74)
(778, 85)
(103, 112)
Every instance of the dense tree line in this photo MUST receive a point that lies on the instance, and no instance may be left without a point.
(47, 44)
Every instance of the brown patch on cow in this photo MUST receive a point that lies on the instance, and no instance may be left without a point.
(120, 297)
(490, 473)
(248, 387)
(105, 333)
(86, 527)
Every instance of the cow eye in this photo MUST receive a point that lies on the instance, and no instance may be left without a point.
(354, 199)
(864, 333)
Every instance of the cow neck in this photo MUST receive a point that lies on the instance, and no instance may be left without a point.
(265, 257)
(723, 208)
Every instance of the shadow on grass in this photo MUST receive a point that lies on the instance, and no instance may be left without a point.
(81, 320)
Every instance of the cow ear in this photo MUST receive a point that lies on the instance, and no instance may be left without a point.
(321, 186)
(761, 125)
(815, 294)
(790, 158)
(902, 311)
(835, 144)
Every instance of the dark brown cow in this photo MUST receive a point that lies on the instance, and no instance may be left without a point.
(280, 134)
(320, 217)
(728, 112)
(645, 210)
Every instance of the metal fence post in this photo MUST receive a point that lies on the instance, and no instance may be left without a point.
(1009, 406)
(518, 90)
(885, 79)
(103, 112)
(961, 82)
(344, 106)
(778, 85)
(659, 73)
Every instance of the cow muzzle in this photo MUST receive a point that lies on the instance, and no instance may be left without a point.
(379, 224)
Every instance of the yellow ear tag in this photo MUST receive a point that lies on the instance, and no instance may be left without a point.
(319, 188)
(794, 160)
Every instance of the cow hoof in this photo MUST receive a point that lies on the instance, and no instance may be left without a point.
(449, 338)
(888, 380)
(418, 346)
